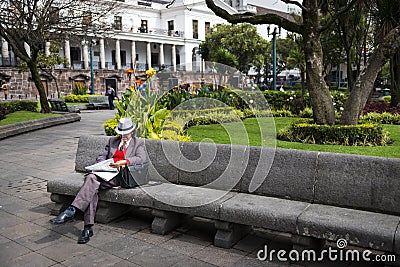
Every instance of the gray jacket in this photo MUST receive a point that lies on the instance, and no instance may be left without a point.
(135, 154)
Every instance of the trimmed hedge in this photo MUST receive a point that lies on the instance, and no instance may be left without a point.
(109, 127)
(12, 106)
(383, 118)
(367, 134)
(76, 98)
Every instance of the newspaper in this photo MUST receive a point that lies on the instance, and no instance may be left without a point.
(103, 169)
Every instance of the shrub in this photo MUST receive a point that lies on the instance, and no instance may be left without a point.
(380, 107)
(109, 127)
(387, 99)
(170, 131)
(80, 89)
(77, 98)
(283, 113)
(383, 118)
(12, 106)
(367, 134)
(3, 112)
(306, 113)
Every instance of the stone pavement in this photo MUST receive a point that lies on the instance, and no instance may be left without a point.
(28, 160)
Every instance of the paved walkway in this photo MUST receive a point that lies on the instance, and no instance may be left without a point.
(28, 160)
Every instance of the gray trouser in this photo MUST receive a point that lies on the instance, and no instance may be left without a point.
(87, 197)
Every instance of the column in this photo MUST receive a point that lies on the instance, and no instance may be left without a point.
(133, 54)
(85, 55)
(148, 61)
(4, 52)
(162, 62)
(174, 57)
(102, 54)
(118, 54)
(47, 48)
(27, 49)
(67, 52)
(188, 58)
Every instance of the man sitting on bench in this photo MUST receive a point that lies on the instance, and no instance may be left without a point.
(124, 149)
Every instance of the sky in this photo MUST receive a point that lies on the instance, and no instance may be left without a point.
(273, 4)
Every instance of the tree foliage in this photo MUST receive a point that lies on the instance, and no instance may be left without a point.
(310, 24)
(237, 46)
(32, 23)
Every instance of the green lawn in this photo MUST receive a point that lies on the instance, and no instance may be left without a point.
(218, 134)
(20, 116)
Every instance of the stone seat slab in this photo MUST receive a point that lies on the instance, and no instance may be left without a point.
(70, 185)
(265, 212)
(359, 228)
(196, 201)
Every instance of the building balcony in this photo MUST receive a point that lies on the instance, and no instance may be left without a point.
(247, 9)
(8, 62)
(155, 31)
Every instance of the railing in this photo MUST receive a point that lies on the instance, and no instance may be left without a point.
(156, 31)
(77, 65)
(8, 62)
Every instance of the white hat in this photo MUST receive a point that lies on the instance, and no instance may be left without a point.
(125, 126)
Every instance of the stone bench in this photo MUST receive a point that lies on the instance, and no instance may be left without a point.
(59, 105)
(98, 101)
(315, 197)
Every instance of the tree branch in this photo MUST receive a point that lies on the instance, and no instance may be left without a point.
(338, 14)
(291, 2)
(255, 19)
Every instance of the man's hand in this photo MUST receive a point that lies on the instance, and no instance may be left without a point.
(118, 164)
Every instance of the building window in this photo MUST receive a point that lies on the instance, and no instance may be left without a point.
(143, 26)
(54, 14)
(122, 55)
(118, 23)
(75, 54)
(170, 27)
(207, 27)
(87, 19)
(195, 29)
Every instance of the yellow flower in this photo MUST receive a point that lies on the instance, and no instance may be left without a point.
(150, 72)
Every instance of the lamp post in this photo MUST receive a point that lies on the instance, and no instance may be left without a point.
(92, 43)
(274, 33)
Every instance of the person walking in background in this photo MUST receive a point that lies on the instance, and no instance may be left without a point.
(5, 88)
(111, 95)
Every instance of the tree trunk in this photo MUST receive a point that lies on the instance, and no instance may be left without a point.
(365, 81)
(349, 70)
(45, 108)
(321, 101)
(395, 79)
(362, 88)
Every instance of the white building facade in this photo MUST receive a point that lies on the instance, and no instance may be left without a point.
(146, 33)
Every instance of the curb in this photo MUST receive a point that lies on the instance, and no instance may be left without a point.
(27, 126)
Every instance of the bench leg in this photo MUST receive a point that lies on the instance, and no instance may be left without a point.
(228, 234)
(301, 243)
(61, 203)
(108, 211)
(165, 221)
(392, 256)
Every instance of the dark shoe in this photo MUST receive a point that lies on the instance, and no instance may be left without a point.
(62, 218)
(85, 236)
